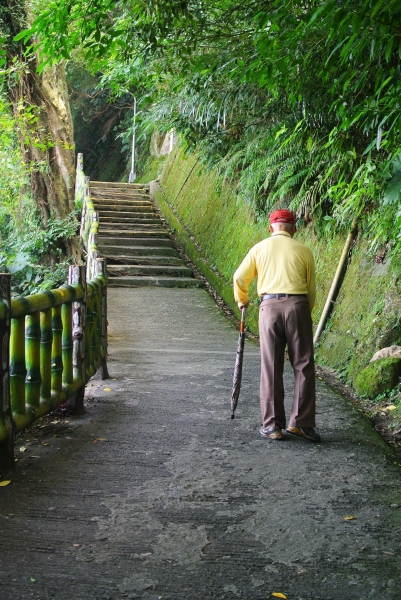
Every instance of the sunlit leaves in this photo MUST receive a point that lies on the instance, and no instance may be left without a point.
(235, 79)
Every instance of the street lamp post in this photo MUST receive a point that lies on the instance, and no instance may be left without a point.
(132, 175)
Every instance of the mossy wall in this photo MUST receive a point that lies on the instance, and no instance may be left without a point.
(217, 230)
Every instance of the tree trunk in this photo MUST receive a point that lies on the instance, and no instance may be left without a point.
(42, 112)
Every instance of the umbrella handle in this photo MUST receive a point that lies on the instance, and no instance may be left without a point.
(242, 323)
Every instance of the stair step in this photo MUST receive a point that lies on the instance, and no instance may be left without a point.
(110, 216)
(156, 259)
(140, 206)
(124, 223)
(147, 281)
(136, 224)
(118, 185)
(139, 241)
(138, 251)
(138, 270)
(120, 198)
(138, 232)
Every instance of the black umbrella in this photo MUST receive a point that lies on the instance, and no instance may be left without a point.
(238, 364)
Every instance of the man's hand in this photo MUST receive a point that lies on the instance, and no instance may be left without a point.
(241, 306)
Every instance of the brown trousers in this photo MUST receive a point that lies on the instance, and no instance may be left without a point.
(286, 321)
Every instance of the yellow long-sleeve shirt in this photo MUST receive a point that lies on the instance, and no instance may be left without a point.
(281, 264)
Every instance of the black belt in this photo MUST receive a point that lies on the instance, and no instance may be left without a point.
(272, 296)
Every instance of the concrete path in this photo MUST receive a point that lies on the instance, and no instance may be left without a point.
(156, 494)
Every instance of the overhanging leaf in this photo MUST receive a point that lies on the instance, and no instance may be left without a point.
(393, 189)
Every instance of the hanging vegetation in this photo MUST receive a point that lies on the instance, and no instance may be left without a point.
(297, 104)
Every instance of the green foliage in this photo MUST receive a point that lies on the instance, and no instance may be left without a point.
(31, 253)
(98, 118)
(367, 315)
(379, 377)
(12, 174)
(298, 105)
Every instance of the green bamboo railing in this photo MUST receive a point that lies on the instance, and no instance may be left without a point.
(89, 220)
(51, 343)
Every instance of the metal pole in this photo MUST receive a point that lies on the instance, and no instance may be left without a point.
(132, 175)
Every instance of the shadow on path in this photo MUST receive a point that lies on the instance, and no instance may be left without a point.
(157, 494)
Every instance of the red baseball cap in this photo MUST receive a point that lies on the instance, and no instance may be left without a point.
(282, 216)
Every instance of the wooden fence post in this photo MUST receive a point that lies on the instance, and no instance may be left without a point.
(6, 417)
(77, 275)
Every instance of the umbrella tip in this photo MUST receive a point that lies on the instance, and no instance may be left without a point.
(232, 416)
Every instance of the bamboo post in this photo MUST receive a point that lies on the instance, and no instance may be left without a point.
(80, 161)
(67, 343)
(6, 417)
(46, 341)
(94, 257)
(77, 275)
(101, 269)
(337, 281)
(92, 244)
(79, 174)
(32, 356)
(17, 365)
(104, 311)
(94, 333)
(84, 218)
(88, 336)
(57, 361)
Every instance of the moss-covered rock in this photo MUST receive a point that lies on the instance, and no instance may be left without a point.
(379, 377)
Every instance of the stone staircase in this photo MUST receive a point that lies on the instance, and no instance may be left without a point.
(132, 237)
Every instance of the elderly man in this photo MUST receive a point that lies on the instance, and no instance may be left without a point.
(286, 286)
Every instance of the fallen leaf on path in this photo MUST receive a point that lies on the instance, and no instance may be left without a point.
(106, 389)
(32, 579)
(76, 545)
(22, 449)
(46, 444)
(4, 483)
(397, 463)
(392, 407)
(279, 595)
(349, 518)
